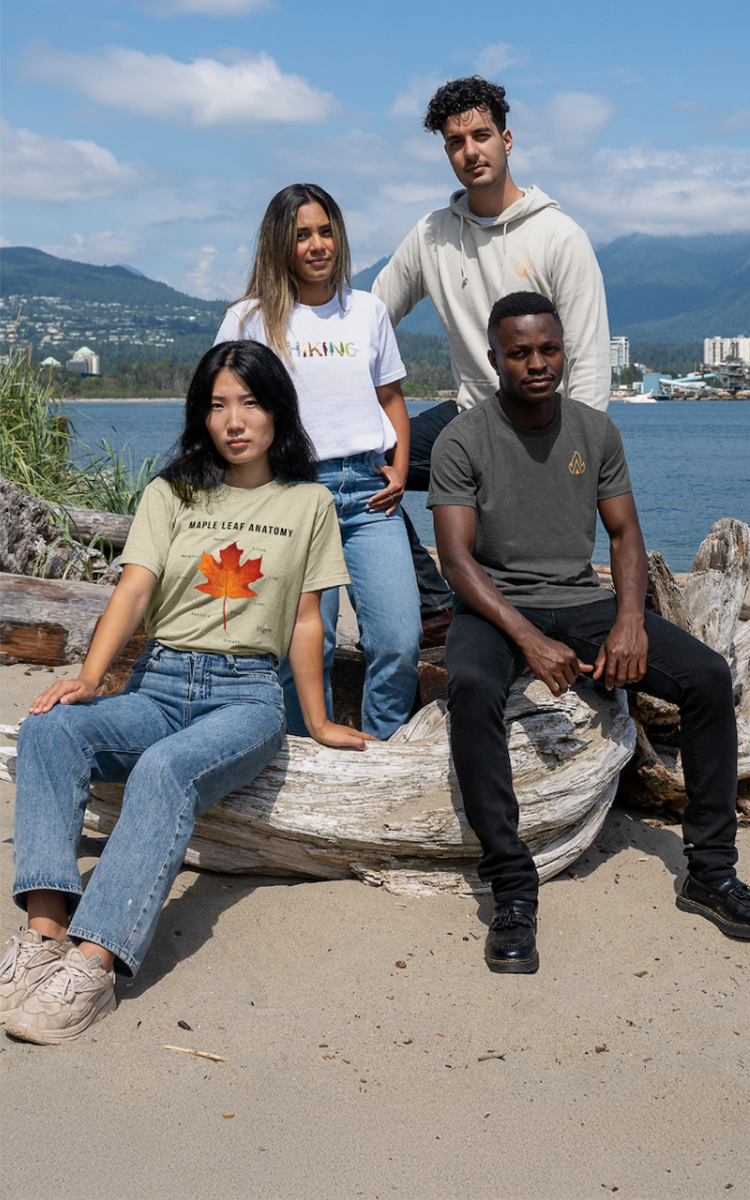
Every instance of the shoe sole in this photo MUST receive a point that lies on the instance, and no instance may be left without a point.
(514, 966)
(728, 928)
(56, 1037)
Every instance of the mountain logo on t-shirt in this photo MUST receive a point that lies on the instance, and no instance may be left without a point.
(228, 579)
(523, 270)
(576, 466)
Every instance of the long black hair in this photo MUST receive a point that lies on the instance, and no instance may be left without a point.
(196, 463)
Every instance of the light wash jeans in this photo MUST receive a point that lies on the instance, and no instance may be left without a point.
(384, 596)
(187, 730)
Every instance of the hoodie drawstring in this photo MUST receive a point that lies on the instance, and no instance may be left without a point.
(464, 278)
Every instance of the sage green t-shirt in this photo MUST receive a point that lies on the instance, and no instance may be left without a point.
(535, 492)
(230, 568)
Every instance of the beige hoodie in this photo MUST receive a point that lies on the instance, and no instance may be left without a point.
(465, 266)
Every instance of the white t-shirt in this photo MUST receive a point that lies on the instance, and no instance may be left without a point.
(337, 357)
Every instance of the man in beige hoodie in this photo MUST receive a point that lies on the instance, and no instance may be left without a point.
(494, 238)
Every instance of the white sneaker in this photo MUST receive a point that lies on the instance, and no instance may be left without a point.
(72, 994)
(25, 959)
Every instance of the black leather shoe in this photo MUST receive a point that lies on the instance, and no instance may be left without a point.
(510, 948)
(727, 904)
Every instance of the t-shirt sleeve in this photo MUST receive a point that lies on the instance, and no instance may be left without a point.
(614, 478)
(238, 323)
(150, 535)
(452, 478)
(388, 367)
(325, 567)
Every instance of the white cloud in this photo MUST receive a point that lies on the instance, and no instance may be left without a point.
(716, 122)
(203, 93)
(495, 58)
(645, 189)
(45, 170)
(413, 102)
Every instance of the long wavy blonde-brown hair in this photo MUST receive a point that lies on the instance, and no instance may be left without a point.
(273, 289)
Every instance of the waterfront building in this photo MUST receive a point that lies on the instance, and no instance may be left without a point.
(84, 362)
(717, 350)
(619, 353)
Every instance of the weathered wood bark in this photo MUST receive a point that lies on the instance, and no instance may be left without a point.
(663, 596)
(715, 591)
(52, 622)
(394, 815)
(86, 524)
(31, 543)
(713, 600)
(46, 621)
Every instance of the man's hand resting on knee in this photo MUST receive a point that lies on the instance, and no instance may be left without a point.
(622, 656)
(554, 663)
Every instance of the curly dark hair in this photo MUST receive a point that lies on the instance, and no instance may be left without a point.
(460, 95)
(196, 463)
(521, 304)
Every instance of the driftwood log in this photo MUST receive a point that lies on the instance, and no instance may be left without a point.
(86, 524)
(36, 540)
(393, 815)
(48, 621)
(709, 607)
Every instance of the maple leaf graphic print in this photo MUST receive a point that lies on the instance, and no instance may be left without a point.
(228, 578)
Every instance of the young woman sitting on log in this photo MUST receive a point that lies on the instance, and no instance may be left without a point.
(227, 557)
(341, 350)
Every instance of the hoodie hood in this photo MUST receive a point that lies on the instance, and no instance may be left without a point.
(532, 200)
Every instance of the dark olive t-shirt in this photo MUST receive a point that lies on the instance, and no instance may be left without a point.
(535, 493)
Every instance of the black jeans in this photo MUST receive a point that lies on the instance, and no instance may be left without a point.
(482, 663)
(433, 590)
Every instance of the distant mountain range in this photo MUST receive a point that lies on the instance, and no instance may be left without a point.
(659, 289)
(116, 311)
(30, 272)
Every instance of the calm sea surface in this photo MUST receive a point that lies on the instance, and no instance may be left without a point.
(689, 462)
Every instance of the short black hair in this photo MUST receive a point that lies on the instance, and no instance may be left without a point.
(521, 304)
(459, 95)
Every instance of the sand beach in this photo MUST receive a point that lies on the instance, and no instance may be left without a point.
(369, 1052)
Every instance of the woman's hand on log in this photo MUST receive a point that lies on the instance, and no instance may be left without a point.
(623, 656)
(554, 663)
(64, 691)
(391, 496)
(341, 737)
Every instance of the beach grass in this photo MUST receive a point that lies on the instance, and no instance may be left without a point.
(37, 440)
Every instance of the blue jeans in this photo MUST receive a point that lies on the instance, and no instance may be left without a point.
(187, 730)
(384, 596)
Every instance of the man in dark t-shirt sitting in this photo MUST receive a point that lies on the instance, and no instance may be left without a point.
(515, 488)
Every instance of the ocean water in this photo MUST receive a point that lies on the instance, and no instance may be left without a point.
(689, 462)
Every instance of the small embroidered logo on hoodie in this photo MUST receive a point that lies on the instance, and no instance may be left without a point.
(523, 270)
(576, 466)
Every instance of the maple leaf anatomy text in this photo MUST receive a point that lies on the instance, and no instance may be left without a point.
(227, 579)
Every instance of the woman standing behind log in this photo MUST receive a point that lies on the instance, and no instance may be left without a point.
(202, 713)
(342, 353)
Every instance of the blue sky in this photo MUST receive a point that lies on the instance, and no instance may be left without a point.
(154, 132)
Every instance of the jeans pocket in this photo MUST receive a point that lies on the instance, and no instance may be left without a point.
(142, 664)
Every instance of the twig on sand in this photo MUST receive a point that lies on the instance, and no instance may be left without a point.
(198, 1053)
